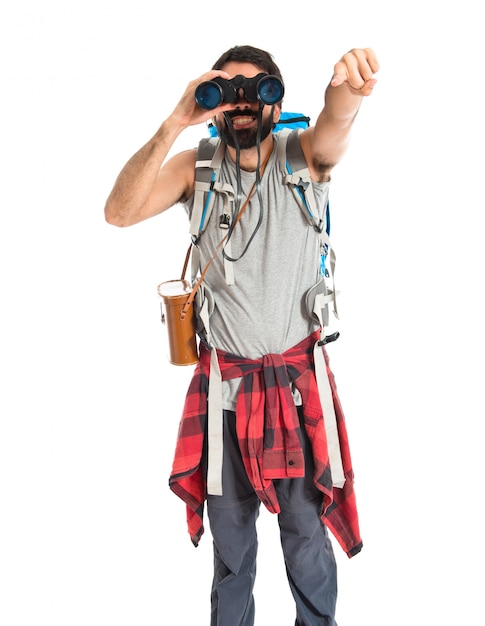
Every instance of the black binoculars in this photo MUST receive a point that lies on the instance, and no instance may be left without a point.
(264, 88)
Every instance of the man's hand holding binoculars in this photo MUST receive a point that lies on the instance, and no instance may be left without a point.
(188, 112)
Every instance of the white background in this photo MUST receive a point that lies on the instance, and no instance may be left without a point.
(89, 531)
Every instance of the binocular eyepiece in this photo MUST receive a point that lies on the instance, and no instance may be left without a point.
(264, 88)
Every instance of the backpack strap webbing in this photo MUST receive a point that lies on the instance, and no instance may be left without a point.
(210, 154)
(297, 175)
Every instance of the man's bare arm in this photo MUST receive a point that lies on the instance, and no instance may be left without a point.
(136, 195)
(147, 185)
(326, 142)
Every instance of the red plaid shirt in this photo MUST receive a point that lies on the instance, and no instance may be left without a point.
(267, 423)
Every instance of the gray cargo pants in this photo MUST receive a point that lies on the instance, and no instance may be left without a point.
(308, 553)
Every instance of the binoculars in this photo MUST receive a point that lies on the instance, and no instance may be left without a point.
(264, 88)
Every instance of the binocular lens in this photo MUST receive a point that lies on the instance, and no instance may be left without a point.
(266, 88)
(270, 90)
(209, 95)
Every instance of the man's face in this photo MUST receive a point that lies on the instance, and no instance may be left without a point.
(244, 114)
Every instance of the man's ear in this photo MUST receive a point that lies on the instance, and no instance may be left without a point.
(276, 113)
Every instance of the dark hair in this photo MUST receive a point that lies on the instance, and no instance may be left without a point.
(248, 54)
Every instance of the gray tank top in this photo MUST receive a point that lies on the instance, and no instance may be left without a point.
(263, 312)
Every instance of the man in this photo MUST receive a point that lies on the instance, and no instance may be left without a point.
(260, 349)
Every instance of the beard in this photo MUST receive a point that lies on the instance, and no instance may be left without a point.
(246, 138)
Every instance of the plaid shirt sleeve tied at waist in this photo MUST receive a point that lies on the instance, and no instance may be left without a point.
(268, 432)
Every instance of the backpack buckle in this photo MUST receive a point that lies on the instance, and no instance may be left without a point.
(319, 227)
(329, 339)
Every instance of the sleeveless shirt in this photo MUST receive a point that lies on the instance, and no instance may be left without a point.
(264, 311)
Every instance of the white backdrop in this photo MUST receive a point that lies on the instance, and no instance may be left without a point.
(89, 531)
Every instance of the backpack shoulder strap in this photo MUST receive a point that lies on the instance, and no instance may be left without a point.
(297, 175)
(210, 153)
